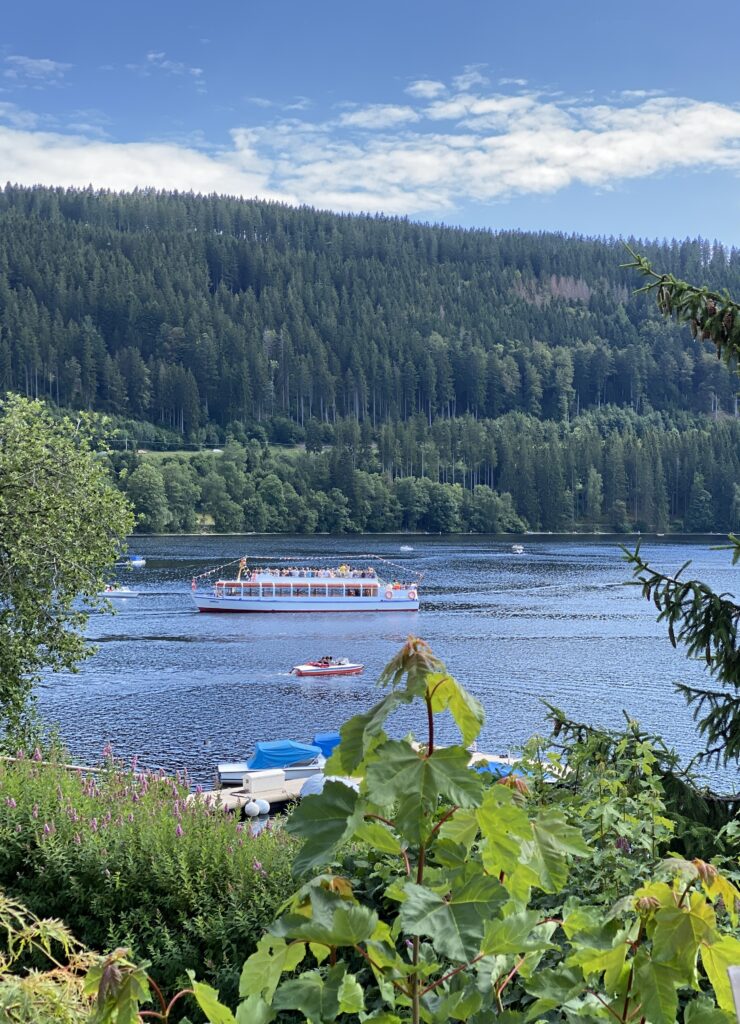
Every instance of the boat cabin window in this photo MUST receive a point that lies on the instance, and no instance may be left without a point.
(300, 591)
(282, 590)
(368, 591)
(318, 590)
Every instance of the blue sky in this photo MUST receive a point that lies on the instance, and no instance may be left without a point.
(601, 119)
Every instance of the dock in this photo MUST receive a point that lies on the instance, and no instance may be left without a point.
(235, 798)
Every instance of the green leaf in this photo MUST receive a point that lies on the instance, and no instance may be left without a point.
(552, 988)
(702, 1010)
(680, 930)
(307, 995)
(207, 999)
(415, 783)
(461, 828)
(459, 1005)
(120, 988)
(351, 997)
(716, 959)
(379, 836)
(261, 973)
(320, 951)
(655, 988)
(317, 998)
(455, 924)
(504, 825)
(512, 934)
(359, 733)
(446, 693)
(254, 1010)
(545, 855)
(333, 921)
(325, 820)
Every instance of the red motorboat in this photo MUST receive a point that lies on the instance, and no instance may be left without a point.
(328, 667)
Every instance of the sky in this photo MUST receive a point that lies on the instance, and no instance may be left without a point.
(609, 119)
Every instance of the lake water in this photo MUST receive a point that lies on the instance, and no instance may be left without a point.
(182, 689)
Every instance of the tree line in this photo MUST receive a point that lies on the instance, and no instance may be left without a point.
(189, 311)
(607, 471)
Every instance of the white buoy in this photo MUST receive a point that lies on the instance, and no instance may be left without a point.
(263, 805)
(251, 809)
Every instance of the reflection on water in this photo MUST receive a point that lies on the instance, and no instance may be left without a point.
(182, 689)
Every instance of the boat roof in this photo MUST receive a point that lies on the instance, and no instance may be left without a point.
(263, 576)
(281, 753)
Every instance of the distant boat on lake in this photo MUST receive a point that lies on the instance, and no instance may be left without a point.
(517, 549)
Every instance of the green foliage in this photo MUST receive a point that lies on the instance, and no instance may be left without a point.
(52, 997)
(441, 380)
(445, 897)
(706, 624)
(61, 525)
(712, 316)
(127, 860)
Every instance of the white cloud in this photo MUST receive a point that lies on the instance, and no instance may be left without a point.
(35, 71)
(425, 89)
(472, 75)
(640, 94)
(51, 158)
(379, 115)
(512, 81)
(424, 157)
(158, 61)
(16, 117)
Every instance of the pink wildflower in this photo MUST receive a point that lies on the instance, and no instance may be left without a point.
(77, 838)
(178, 830)
(35, 811)
(93, 824)
(37, 755)
(10, 802)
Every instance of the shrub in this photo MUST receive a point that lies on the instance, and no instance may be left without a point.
(125, 860)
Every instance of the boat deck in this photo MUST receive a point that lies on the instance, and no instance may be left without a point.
(234, 798)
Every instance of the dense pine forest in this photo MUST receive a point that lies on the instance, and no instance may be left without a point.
(426, 377)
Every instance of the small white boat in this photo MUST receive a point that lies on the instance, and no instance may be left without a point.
(328, 667)
(132, 562)
(406, 547)
(295, 760)
(517, 549)
(118, 592)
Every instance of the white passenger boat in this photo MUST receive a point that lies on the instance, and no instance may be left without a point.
(343, 588)
(517, 549)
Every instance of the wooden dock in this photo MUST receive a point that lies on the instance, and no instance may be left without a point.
(235, 798)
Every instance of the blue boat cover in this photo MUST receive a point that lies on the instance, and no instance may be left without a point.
(327, 741)
(498, 769)
(281, 753)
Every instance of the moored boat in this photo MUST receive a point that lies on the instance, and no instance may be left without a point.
(296, 760)
(517, 549)
(280, 588)
(328, 667)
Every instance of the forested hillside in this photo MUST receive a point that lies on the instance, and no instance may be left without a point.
(523, 363)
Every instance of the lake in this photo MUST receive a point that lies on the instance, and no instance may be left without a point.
(184, 690)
